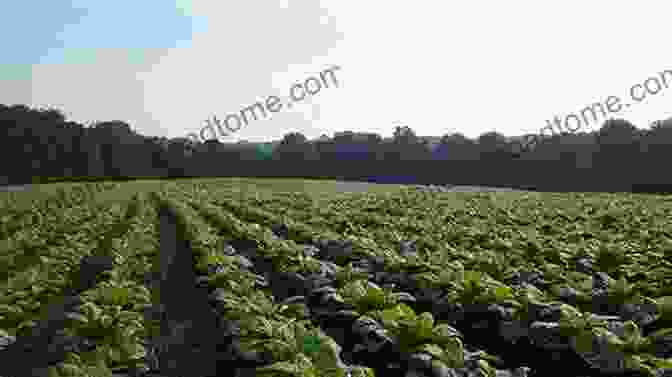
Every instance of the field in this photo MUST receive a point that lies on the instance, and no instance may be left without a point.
(244, 277)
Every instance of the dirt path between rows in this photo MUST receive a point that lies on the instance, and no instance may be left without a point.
(15, 188)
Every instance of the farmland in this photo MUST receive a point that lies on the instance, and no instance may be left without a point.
(244, 277)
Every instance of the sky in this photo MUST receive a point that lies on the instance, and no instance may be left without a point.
(438, 67)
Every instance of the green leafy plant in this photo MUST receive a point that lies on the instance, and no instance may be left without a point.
(363, 294)
(610, 257)
(664, 305)
(576, 323)
(348, 274)
(419, 333)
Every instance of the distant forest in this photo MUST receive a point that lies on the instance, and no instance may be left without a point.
(40, 145)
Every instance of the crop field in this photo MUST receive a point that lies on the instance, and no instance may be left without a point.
(282, 278)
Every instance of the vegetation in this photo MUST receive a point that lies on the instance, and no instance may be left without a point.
(286, 278)
(44, 147)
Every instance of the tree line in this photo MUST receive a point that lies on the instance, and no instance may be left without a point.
(41, 145)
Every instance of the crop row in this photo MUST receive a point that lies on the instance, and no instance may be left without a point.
(91, 321)
(203, 280)
(576, 296)
(15, 214)
(625, 239)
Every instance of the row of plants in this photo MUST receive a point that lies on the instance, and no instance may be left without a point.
(414, 333)
(51, 228)
(111, 314)
(43, 209)
(470, 286)
(55, 251)
(555, 237)
(295, 346)
(15, 213)
(429, 283)
(88, 316)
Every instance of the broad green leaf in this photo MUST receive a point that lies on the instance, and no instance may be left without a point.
(66, 369)
(114, 354)
(533, 294)
(279, 369)
(405, 311)
(311, 344)
(391, 316)
(10, 309)
(432, 349)
(485, 369)
(453, 353)
(622, 288)
(554, 269)
(585, 285)
(631, 333)
(662, 363)
(133, 350)
(615, 342)
(425, 325)
(665, 306)
(443, 332)
(513, 303)
(116, 295)
(633, 362)
(584, 342)
(278, 348)
(503, 293)
(569, 312)
(328, 353)
(358, 371)
(375, 296)
(106, 320)
(354, 289)
(472, 276)
(26, 324)
(445, 278)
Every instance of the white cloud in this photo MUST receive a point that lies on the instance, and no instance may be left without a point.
(436, 66)
(232, 65)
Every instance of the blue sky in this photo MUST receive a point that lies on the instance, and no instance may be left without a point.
(438, 67)
(70, 32)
